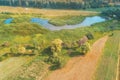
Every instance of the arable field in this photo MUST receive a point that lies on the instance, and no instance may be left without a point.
(107, 66)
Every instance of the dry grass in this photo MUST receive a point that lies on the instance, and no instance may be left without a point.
(12, 64)
(45, 12)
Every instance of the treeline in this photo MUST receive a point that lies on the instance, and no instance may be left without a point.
(112, 14)
(68, 4)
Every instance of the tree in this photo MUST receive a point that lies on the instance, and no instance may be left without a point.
(56, 46)
(84, 48)
(63, 4)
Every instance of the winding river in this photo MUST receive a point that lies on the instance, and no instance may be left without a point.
(88, 21)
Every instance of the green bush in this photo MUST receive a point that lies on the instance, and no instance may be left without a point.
(57, 62)
(56, 45)
(90, 36)
(84, 48)
(14, 50)
(3, 57)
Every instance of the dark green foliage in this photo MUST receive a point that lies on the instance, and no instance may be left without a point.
(84, 48)
(90, 36)
(57, 62)
(14, 51)
(62, 4)
(3, 57)
(6, 13)
(112, 13)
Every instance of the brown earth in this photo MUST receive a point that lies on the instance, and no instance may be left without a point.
(81, 67)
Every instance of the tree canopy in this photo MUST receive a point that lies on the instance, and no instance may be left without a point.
(62, 4)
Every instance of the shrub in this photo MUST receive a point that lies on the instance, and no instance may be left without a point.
(57, 62)
(56, 45)
(90, 36)
(84, 48)
(3, 57)
(67, 45)
(39, 42)
(16, 50)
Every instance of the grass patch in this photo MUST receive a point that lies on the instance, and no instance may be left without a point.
(66, 20)
(35, 69)
(10, 65)
(106, 69)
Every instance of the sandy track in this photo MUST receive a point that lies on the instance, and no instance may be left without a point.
(82, 67)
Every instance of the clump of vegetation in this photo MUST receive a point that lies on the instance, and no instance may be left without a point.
(55, 58)
(90, 36)
(66, 20)
(39, 42)
(57, 62)
(3, 57)
(17, 50)
(56, 46)
(84, 48)
(112, 13)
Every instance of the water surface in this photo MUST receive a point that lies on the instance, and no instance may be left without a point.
(88, 21)
(8, 21)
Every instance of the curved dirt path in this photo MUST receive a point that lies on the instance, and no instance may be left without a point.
(82, 67)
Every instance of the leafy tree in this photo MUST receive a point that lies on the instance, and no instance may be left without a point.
(85, 48)
(90, 35)
(56, 45)
(112, 13)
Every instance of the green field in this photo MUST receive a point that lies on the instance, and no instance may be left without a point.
(66, 20)
(107, 66)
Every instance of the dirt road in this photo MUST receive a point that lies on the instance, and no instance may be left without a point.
(82, 67)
